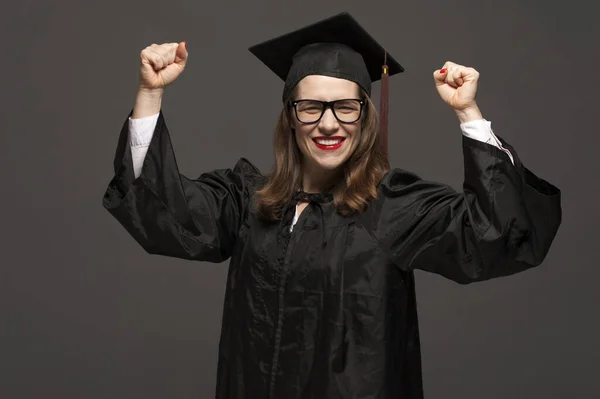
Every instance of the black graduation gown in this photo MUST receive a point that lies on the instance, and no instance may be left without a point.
(329, 310)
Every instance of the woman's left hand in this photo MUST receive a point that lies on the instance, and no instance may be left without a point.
(457, 85)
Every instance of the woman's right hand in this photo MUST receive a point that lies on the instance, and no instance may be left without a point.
(161, 65)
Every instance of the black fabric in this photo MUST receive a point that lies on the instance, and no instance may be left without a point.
(313, 197)
(337, 46)
(328, 59)
(303, 319)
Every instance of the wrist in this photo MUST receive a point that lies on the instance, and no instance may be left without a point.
(150, 93)
(468, 114)
(147, 102)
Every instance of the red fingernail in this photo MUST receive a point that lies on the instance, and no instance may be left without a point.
(443, 70)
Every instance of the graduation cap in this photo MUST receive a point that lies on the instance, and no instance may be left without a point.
(337, 46)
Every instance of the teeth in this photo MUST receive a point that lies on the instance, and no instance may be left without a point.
(328, 142)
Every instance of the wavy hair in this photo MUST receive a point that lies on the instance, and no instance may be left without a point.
(362, 171)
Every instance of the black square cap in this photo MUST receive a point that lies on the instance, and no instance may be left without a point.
(337, 46)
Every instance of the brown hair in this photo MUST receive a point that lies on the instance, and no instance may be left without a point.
(362, 171)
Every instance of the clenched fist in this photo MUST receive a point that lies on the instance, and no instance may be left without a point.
(161, 64)
(457, 86)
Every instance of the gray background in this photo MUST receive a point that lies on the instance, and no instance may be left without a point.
(85, 313)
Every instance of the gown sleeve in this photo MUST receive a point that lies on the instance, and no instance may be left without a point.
(502, 223)
(170, 214)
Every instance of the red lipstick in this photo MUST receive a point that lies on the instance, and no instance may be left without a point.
(332, 147)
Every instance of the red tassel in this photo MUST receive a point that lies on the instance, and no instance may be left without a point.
(383, 108)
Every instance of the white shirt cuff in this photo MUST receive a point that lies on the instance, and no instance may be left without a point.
(141, 131)
(481, 130)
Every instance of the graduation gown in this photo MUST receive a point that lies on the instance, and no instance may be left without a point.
(328, 310)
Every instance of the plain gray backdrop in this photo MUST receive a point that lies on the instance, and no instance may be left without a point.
(86, 313)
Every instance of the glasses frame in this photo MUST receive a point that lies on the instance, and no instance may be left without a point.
(328, 104)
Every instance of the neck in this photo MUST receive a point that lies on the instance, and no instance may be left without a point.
(317, 180)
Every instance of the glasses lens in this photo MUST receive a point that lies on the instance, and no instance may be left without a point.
(309, 111)
(347, 110)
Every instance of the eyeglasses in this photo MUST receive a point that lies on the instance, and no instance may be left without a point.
(311, 111)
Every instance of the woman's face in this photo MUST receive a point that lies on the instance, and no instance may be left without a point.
(328, 143)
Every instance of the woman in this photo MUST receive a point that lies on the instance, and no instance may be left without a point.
(320, 297)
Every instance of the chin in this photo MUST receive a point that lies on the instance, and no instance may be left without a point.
(329, 164)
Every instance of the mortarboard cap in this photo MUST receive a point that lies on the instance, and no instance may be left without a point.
(337, 46)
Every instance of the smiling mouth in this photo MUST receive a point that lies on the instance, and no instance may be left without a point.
(329, 144)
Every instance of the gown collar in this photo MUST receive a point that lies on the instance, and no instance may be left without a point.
(320, 198)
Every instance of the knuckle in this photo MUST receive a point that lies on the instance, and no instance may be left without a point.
(156, 59)
(146, 53)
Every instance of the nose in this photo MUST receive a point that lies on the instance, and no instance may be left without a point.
(328, 121)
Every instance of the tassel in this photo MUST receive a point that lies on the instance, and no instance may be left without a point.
(383, 108)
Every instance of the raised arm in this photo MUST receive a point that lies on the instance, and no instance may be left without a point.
(165, 212)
